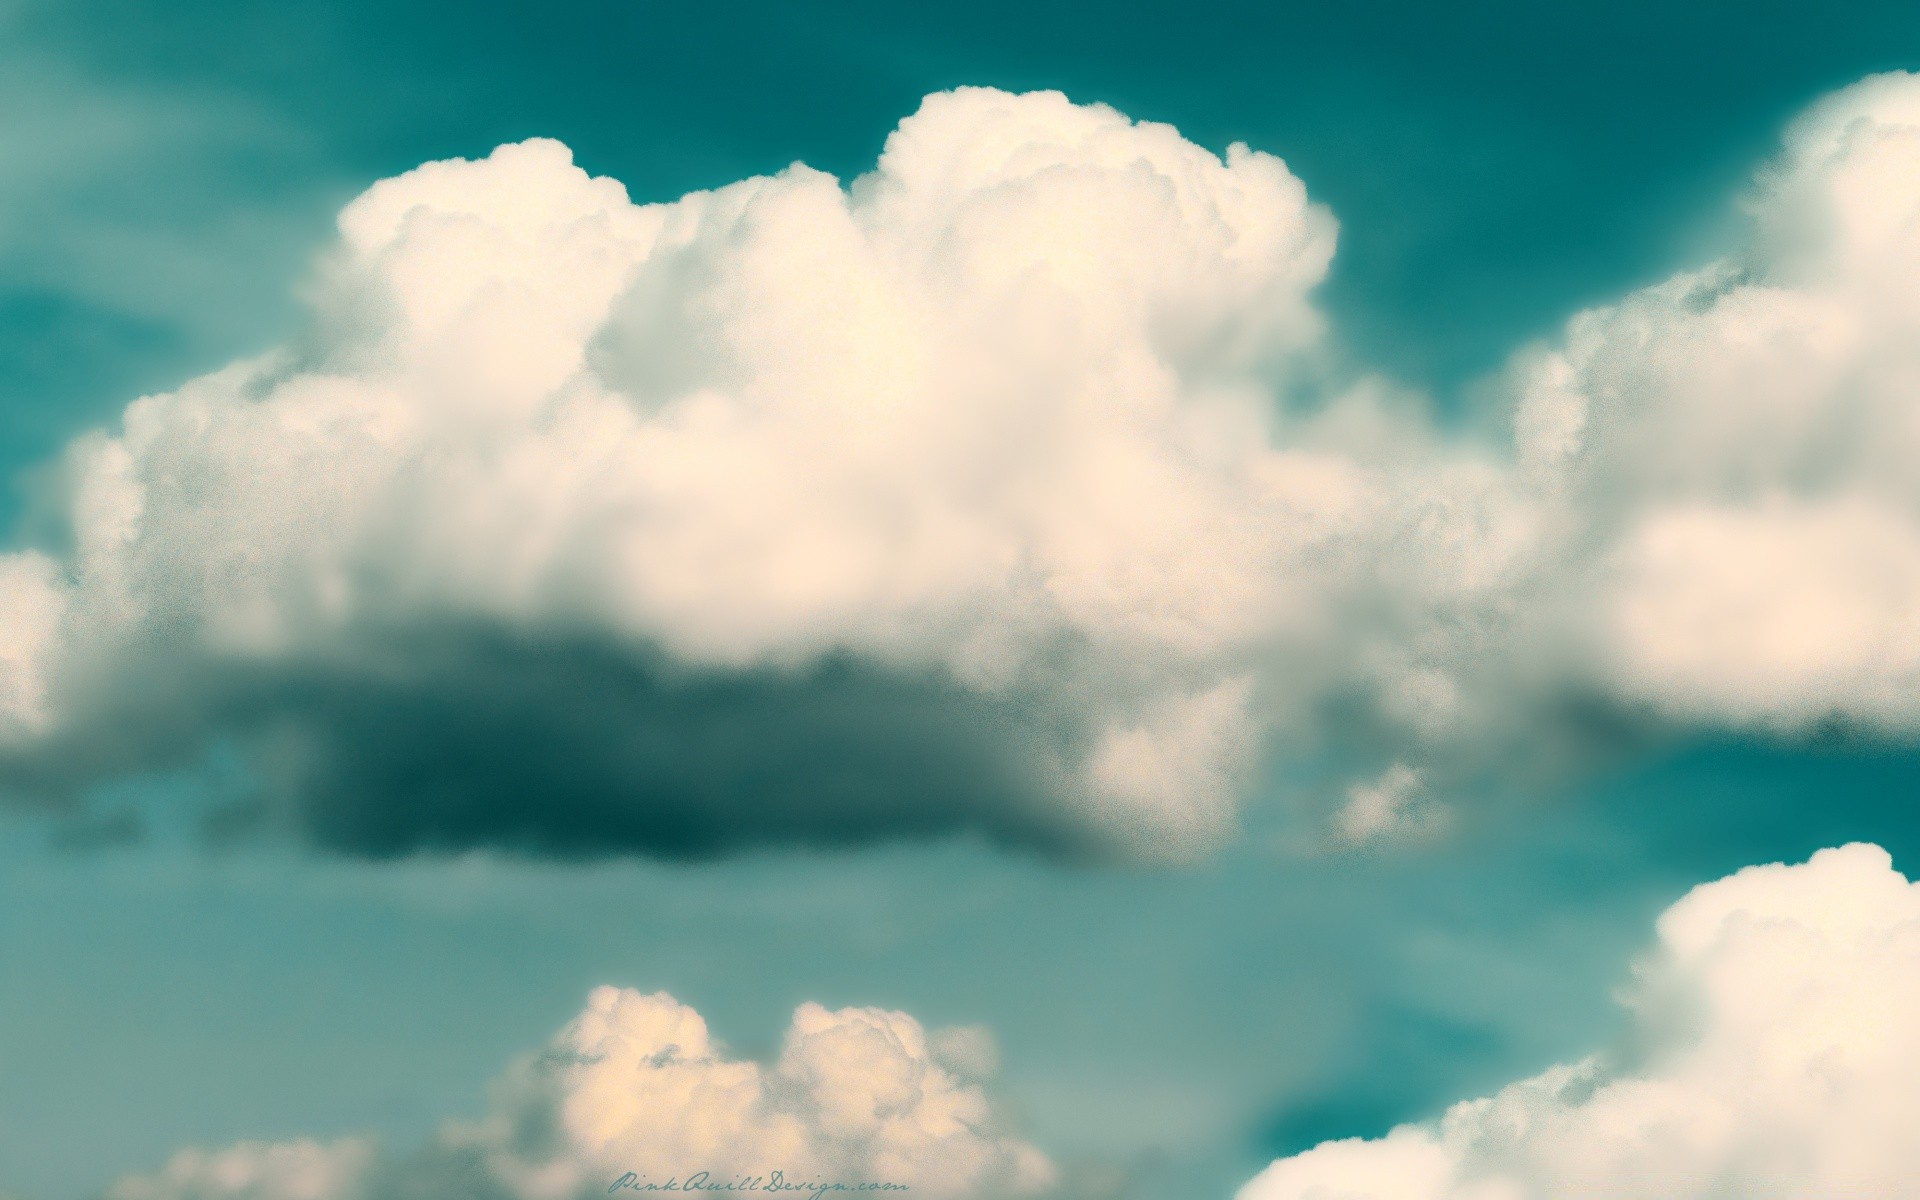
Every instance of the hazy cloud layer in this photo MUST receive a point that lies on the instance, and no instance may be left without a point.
(965, 497)
(636, 1084)
(1772, 1056)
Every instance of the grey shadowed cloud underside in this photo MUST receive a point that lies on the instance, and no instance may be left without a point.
(451, 740)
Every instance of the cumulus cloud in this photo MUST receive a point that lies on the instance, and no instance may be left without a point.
(1715, 521)
(979, 494)
(962, 471)
(1732, 449)
(1773, 1055)
(636, 1085)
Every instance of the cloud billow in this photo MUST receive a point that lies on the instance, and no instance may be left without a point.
(1771, 1055)
(636, 1085)
(779, 513)
(959, 499)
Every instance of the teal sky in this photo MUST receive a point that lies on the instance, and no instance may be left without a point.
(166, 177)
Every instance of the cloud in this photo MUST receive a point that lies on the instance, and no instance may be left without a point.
(1708, 517)
(1013, 488)
(1390, 808)
(34, 603)
(1772, 1055)
(636, 1084)
(1730, 449)
(298, 1170)
(782, 512)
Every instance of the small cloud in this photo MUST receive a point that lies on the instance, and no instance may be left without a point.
(1392, 808)
(636, 1085)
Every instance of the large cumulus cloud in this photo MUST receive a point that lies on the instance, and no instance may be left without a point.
(636, 1085)
(1006, 489)
(781, 512)
(1733, 449)
(1772, 1055)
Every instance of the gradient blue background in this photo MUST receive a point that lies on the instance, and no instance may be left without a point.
(166, 175)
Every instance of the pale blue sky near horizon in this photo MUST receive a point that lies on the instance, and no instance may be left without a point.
(165, 181)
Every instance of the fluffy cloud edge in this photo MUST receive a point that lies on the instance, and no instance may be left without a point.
(982, 453)
(636, 1087)
(739, 439)
(1771, 1056)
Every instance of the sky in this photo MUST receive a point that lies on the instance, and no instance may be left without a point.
(538, 591)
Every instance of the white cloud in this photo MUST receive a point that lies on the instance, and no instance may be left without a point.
(1773, 612)
(997, 416)
(28, 584)
(636, 1084)
(1773, 1056)
(960, 499)
(1732, 450)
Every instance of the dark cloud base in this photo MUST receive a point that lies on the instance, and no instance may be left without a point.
(572, 749)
